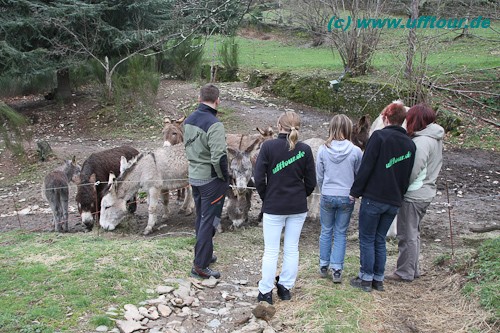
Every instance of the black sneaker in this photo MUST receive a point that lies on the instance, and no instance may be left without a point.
(204, 273)
(378, 285)
(268, 297)
(283, 293)
(323, 271)
(214, 259)
(337, 275)
(361, 284)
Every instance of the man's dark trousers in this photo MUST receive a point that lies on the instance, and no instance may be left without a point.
(208, 200)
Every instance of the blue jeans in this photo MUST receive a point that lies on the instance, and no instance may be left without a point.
(375, 218)
(272, 226)
(335, 214)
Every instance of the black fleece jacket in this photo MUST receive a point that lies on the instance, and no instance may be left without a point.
(284, 179)
(384, 174)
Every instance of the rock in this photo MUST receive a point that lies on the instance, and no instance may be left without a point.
(132, 312)
(264, 310)
(129, 326)
(164, 289)
(210, 283)
(164, 310)
(102, 328)
(214, 323)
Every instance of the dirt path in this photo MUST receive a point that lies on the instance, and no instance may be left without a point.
(431, 304)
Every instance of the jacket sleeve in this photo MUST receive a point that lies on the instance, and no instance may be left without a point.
(310, 174)
(218, 150)
(320, 168)
(260, 172)
(367, 166)
(421, 157)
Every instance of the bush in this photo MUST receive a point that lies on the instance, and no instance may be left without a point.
(183, 58)
(12, 129)
(228, 55)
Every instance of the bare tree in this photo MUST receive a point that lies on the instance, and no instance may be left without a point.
(336, 21)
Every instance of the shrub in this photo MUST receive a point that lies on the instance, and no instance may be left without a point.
(183, 58)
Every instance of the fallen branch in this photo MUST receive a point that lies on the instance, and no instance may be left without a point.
(473, 115)
(483, 229)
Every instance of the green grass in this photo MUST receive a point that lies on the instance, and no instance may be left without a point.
(484, 276)
(290, 53)
(49, 282)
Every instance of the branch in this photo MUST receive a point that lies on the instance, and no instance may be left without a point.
(473, 115)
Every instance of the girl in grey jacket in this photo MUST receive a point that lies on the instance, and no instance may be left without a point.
(428, 137)
(337, 164)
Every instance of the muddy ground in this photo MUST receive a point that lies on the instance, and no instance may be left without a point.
(469, 181)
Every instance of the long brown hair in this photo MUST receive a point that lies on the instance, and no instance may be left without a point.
(418, 117)
(340, 129)
(290, 122)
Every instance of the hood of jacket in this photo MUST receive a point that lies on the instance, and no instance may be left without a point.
(433, 131)
(339, 150)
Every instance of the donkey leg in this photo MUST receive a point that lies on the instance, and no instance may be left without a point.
(165, 196)
(153, 197)
(188, 204)
(64, 207)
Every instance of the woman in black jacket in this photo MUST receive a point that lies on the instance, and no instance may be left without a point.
(284, 177)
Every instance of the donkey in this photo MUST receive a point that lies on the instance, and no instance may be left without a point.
(55, 189)
(360, 132)
(173, 132)
(241, 165)
(376, 125)
(96, 168)
(157, 172)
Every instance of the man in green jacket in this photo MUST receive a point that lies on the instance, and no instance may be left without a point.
(206, 151)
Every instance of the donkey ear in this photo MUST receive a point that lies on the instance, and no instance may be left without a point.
(166, 120)
(112, 177)
(262, 132)
(180, 120)
(232, 151)
(73, 160)
(123, 164)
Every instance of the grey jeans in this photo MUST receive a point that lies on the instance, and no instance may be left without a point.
(409, 217)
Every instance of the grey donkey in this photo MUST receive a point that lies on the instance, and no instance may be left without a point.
(55, 190)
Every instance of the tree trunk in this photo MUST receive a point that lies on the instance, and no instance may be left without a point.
(412, 41)
(63, 90)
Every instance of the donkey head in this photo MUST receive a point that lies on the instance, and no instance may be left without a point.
(86, 198)
(72, 170)
(360, 132)
(240, 166)
(172, 131)
(113, 208)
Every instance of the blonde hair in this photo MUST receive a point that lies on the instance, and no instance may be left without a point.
(290, 122)
(340, 129)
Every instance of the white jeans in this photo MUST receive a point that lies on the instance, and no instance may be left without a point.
(273, 225)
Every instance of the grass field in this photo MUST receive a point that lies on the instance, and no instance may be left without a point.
(58, 282)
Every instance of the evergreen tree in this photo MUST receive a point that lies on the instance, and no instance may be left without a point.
(38, 37)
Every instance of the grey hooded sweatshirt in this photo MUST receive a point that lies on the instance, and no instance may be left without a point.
(427, 165)
(336, 167)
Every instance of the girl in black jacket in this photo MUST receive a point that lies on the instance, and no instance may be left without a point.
(284, 177)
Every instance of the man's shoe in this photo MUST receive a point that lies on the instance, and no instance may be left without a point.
(378, 285)
(204, 273)
(283, 292)
(268, 297)
(214, 259)
(323, 271)
(361, 284)
(396, 278)
(337, 275)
